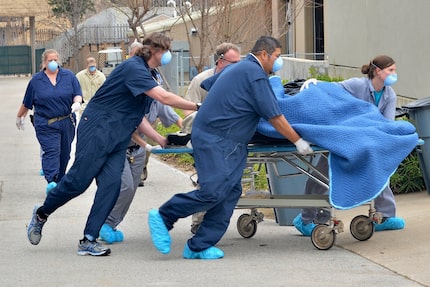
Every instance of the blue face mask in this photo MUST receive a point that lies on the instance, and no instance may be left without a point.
(166, 58)
(391, 79)
(277, 65)
(52, 66)
(92, 69)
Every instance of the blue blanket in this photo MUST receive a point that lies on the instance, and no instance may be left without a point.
(365, 148)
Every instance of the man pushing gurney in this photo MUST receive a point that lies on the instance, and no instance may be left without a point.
(226, 122)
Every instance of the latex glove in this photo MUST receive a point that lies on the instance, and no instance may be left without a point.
(303, 147)
(307, 83)
(149, 147)
(76, 106)
(20, 123)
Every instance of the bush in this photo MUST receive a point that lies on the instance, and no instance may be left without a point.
(323, 77)
(408, 177)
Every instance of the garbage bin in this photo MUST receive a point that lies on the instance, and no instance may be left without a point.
(285, 179)
(419, 115)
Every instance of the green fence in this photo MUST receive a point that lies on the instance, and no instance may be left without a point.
(16, 60)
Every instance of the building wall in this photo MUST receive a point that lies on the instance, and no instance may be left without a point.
(357, 31)
(23, 8)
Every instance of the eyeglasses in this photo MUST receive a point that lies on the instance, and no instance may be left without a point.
(221, 57)
(228, 61)
(276, 57)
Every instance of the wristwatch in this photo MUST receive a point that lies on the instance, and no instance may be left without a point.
(198, 105)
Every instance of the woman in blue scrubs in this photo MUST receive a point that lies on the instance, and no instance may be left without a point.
(226, 122)
(55, 95)
(103, 134)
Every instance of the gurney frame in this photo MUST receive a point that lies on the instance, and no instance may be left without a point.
(324, 234)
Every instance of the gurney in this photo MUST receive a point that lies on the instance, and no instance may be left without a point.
(324, 234)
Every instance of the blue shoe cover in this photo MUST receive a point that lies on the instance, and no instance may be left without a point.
(391, 223)
(159, 234)
(119, 236)
(41, 172)
(305, 229)
(209, 253)
(50, 186)
(110, 235)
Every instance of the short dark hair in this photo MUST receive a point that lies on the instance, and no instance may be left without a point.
(265, 43)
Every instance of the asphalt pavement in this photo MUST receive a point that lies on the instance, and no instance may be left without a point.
(275, 256)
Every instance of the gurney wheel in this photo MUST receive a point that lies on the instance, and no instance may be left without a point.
(246, 226)
(323, 237)
(361, 227)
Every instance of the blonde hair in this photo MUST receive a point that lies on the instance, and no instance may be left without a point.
(45, 55)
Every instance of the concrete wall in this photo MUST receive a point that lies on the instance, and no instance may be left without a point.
(357, 31)
(294, 68)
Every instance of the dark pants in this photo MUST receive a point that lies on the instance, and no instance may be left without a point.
(98, 155)
(56, 141)
(219, 164)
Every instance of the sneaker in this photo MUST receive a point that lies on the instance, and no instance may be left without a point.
(159, 234)
(34, 228)
(41, 173)
(305, 229)
(110, 235)
(51, 186)
(209, 253)
(390, 223)
(93, 248)
(141, 183)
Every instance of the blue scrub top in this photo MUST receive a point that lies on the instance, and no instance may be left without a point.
(123, 93)
(52, 101)
(238, 97)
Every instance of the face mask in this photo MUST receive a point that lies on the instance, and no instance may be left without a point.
(92, 69)
(277, 65)
(166, 58)
(391, 79)
(52, 66)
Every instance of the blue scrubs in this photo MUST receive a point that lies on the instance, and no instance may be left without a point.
(51, 102)
(103, 134)
(222, 129)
